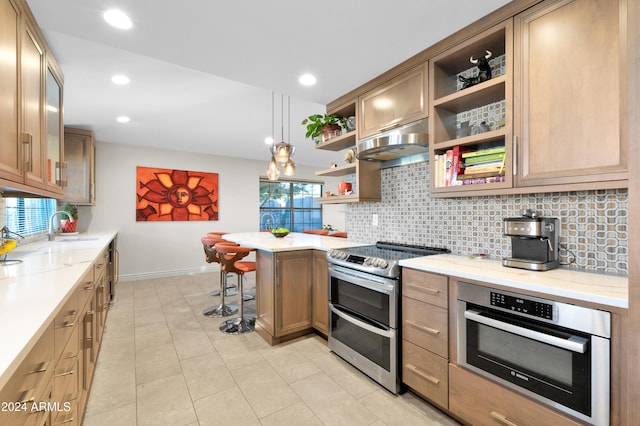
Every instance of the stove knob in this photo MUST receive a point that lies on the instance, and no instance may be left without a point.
(382, 264)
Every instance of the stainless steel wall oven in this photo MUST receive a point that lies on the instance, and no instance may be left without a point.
(557, 353)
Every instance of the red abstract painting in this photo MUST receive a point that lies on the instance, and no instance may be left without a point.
(175, 195)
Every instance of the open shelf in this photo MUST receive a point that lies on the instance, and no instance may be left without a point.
(339, 142)
(343, 170)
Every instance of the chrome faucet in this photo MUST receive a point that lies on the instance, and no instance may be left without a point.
(51, 236)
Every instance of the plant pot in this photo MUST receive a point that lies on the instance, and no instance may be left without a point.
(344, 187)
(330, 131)
(67, 226)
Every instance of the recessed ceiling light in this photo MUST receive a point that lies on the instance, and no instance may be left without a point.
(123, 119)
(120, 79)
(268, 140)
(117, 19)
(307, 80)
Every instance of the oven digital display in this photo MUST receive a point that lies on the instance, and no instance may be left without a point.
(525, 306)
(355, 259)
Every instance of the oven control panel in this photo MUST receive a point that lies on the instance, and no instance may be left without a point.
(520, 304)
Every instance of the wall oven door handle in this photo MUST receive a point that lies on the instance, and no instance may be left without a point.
(361, 324)
(574, 344)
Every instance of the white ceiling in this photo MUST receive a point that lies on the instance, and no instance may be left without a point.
(203, 71)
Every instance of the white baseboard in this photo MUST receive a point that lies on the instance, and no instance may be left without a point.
(172, 273)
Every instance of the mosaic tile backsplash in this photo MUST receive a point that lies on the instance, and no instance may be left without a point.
(593, 224)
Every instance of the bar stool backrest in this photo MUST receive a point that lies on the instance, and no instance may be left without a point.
(229, 255)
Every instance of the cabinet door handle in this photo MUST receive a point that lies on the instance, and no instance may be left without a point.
(27, 144)
(502, 419)
(423, 327)
(427, 377)
(429, 290)
(515, 155)
(69, 324)
(27, 396)
(65, 421)
(44, 366)
(66, 373)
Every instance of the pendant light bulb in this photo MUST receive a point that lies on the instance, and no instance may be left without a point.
(289, 168)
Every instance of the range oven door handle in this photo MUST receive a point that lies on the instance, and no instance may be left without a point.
(574, 343)
(361, 324)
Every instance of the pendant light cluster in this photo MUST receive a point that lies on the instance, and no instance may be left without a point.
(281, 152)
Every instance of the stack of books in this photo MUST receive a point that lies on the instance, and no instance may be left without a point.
(463, 166)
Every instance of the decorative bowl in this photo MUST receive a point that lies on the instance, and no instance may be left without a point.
(280, 234)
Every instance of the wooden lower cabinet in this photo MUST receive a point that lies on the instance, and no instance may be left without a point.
(51, 385)
(29, 390)
(320, 293)
(479, 401)
(283, 294)
(425, 373)
(425, 335)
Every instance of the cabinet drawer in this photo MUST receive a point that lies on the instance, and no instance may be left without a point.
(67, 414)
(429, 288)
(426, 373)
(84, 290)
(33, 375)
(65, 322)
(65, 380)
(481, 402)
(100, 265)
(425, 325)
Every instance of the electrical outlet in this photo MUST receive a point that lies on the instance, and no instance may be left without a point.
(374, 220)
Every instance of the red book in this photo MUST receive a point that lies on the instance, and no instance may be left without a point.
(448, 168)
(457, 162)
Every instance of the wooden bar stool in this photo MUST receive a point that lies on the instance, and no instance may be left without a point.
(230, 260)
(211, 256)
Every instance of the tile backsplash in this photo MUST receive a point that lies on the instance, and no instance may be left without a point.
(593, 224)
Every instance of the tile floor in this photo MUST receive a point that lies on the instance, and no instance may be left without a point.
(163, 363)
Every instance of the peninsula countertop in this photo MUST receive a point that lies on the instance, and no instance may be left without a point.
(294, 241)
(602, 289)
(33, 291)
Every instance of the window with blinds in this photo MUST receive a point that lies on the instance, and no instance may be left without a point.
(29, 216)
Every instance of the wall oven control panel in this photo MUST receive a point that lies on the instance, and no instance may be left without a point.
(522, 305)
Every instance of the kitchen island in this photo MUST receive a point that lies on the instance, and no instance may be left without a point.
(291, 282)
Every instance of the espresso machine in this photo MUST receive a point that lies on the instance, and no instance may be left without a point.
(534, 241)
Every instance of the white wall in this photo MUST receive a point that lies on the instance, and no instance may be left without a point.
(149, 249)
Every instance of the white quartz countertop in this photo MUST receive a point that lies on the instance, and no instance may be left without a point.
(294, 241)
(31, 292)
(602, 289)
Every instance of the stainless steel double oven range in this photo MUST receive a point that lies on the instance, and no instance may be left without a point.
(364, 307)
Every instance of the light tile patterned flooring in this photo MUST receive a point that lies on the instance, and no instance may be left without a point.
(163, 363)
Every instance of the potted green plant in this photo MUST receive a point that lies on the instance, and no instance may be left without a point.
(66, 225)
(327, 125)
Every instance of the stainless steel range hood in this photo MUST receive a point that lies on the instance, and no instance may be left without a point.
(409, 140)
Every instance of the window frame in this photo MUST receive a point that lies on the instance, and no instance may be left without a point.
(291, 209)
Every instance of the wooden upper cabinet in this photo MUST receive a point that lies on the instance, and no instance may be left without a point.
(401, 100)
(26, 145)
(569, 93)
(10, 154)
(55, 167)
(79, 155)
(33, 63)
